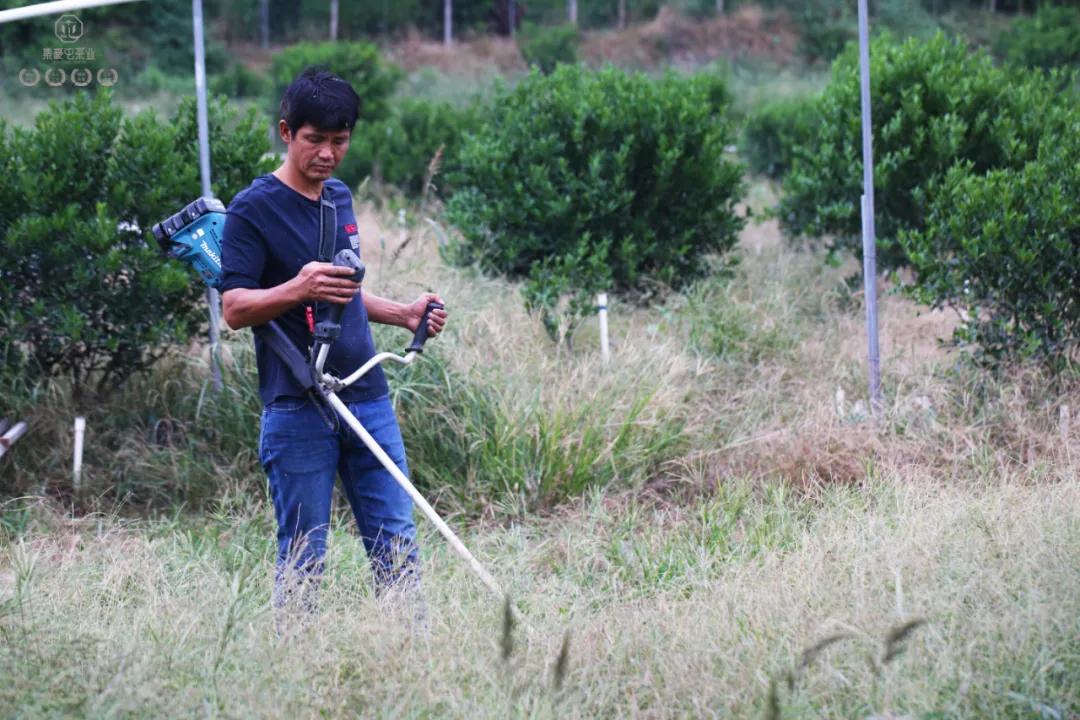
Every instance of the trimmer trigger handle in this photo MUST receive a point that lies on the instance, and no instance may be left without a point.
(421, 335)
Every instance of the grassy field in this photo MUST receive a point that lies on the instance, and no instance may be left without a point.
(707, 527)
(666, 611)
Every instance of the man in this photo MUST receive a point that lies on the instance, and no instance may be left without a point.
(269, 259)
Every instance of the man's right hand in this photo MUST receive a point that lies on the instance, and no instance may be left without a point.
(323, 282)
(316, 282)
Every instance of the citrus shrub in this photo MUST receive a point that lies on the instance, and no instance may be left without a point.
(934, 104)
(546, 47)
(85, 292)
(774, 130)
(1004, 249)
(1050, 38)
(826, 27)
(400, 149)
(358, 63)
(583, 181)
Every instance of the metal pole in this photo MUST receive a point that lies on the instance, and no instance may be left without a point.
(264, 24)
(869, 243)
(212, 298)
(448, 22)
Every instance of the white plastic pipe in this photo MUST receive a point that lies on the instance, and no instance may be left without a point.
(601, 308)
(80, 434)
(418, 499)
(8, 439)
(320, 360)
(51, 8)
(363, 369)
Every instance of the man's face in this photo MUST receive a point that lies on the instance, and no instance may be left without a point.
(315, 153)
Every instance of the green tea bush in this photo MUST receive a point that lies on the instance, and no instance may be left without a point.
(1050, 38)
(934, 104)
(545, 47)
(153, 80)
(903, 18)
(237, 81)
(1004, 249)
(584, 181)
(400, 149)
(827, 26)
(358, 63)
(84, 291)
(772, 133)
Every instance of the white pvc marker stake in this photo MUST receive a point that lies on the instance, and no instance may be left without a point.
(1066, 432)
(80, 433)
(601, 308)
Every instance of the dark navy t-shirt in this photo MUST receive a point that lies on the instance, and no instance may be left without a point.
(271, 231)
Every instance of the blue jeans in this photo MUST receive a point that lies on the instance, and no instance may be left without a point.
(301, 456)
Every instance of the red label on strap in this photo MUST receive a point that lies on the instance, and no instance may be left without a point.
(309, 313)
(350, 228)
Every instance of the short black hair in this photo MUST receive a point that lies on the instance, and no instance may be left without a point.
(319, 97)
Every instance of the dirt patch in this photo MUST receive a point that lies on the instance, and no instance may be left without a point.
(671, 38)
(472, 58)
(676, 39)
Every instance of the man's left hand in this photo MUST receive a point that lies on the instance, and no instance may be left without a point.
(415, 311)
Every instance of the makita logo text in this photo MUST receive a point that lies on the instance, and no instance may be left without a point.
(210, 253)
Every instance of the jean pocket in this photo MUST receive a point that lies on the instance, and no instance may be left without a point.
(288, 405)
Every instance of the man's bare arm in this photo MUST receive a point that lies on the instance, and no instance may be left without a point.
(316, 282)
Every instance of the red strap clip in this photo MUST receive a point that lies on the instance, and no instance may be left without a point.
(309, 313)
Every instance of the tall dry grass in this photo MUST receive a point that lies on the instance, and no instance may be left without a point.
(671, 611)
(683, 529)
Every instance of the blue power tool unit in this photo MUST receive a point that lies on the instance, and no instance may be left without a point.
(193, 235)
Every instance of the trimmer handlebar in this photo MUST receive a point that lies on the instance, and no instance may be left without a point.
(421, 335)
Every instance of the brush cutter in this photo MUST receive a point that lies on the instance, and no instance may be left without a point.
(193, 235)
